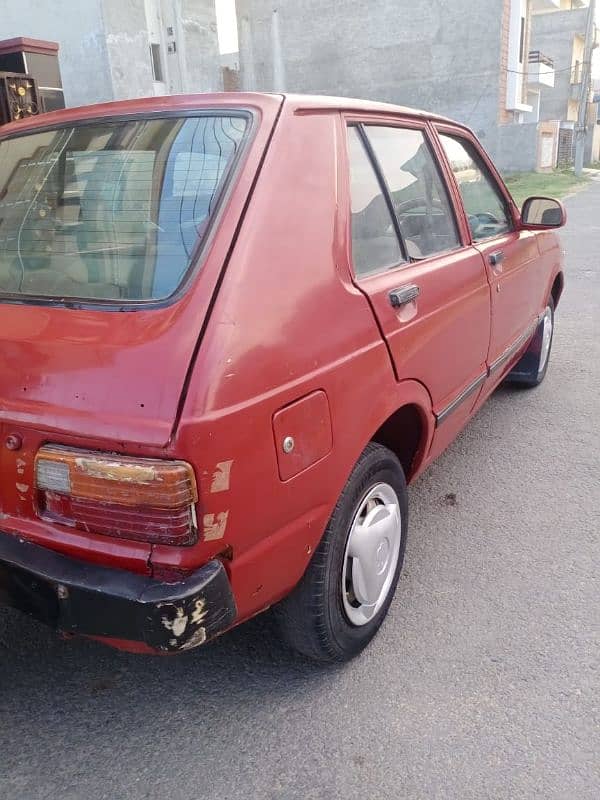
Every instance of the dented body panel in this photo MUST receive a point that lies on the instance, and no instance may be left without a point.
(271, 338)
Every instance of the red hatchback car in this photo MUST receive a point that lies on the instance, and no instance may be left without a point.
(233, 327)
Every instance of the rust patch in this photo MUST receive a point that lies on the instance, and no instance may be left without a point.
(220, 478)
(214, 525)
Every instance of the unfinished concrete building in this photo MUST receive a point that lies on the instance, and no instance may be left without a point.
(120, 49)
(468, 59)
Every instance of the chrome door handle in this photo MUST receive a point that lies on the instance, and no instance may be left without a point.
(403, 295)
(496, 258)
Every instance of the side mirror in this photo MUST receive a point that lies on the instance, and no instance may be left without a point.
(543, 212)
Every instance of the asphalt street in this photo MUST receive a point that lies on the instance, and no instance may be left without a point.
(484, 682)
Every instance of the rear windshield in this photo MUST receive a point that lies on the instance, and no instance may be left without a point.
(111, 210)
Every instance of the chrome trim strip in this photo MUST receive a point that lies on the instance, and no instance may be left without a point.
(512, 349)
(503, 358)
(471, 388)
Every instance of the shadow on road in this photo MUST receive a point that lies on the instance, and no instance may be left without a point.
(242, 659)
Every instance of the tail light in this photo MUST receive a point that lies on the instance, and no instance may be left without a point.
(131, 498)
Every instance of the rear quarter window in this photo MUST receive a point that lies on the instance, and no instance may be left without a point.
(111, 210)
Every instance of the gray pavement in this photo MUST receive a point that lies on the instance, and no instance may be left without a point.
(483, 683)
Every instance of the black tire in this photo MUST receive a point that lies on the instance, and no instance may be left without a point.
(527, 372)
(312, 618)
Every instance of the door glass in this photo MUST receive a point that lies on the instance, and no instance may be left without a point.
(485, 206)
(375, 245)
(419, 196)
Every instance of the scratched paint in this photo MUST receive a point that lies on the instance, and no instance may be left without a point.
(195, 640)
(220, 478)
(182, 623)
(214, 525)
(200, 611)
(114, 471)
(178, 624)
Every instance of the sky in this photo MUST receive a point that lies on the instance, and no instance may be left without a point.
(226, 25)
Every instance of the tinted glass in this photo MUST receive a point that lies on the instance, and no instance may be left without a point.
(375, 245)
(110, 210)
(418, 193)
(483, 202)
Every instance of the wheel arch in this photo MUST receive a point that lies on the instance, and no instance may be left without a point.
(557, 288)
(408, 430)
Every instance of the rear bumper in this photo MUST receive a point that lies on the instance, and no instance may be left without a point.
(77, 597)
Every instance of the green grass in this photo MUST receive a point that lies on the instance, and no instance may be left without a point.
(551, 184)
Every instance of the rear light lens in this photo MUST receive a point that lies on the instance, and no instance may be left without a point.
(131, 498)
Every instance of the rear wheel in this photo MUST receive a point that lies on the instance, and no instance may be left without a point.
(341, 601)
(531, 369)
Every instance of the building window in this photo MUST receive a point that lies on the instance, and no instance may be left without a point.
(156, 61)
(522, 41)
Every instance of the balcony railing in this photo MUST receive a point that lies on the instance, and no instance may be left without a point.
(536, 57)
(541, 70)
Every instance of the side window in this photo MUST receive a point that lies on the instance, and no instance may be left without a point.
(375, 245)
(419, 196)
(485, 206)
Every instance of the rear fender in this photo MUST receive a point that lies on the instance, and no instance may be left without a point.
(252, 576)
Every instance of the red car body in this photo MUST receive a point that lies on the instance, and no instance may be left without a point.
(273, 337)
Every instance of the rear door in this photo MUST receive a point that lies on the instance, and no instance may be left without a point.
(427, 287)
(511, 255)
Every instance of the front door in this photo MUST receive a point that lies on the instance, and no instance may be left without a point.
(510, 255)
(427, 288)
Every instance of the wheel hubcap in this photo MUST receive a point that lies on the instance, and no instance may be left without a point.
(372, 552)
(546, 338)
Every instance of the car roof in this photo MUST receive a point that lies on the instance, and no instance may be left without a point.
(190, 102)
(315, 102)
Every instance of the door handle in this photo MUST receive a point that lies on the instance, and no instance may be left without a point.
(496, 259)
(403, 295)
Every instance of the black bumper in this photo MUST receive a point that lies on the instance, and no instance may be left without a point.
(77, 597)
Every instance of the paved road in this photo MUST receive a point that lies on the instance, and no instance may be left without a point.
(483, 683)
